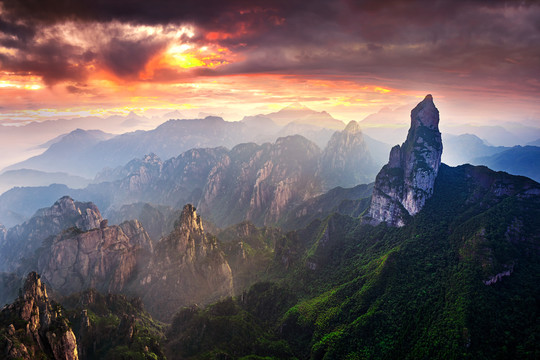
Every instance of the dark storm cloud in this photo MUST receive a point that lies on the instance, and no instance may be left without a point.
(445, 41)
(126, 58)
(53, 60)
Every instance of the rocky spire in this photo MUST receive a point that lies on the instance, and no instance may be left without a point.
(186, 267)
(36, 326)
(406, 182)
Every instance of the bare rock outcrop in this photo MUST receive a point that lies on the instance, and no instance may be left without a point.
(406, 182)
(36, 328)
(187, 267)
(105, 258)
(22, 240)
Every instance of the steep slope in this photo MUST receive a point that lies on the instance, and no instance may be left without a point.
(113, 326)
(428, 289)
(260, 183)
(255, 182)
(406, 182)
(346, 160)
(353, 202)
(106, 258)
(249, 251)
(517, 160)
(21, 203)
(187, 267)
(22, 240)
(33, 327)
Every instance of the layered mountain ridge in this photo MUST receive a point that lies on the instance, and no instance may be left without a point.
(462, 242)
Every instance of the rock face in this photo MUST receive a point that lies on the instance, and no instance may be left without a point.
(260, 183)
(105, 258)
(186, 267)
(254, 182)
(22, 240)
(346, 160)
(33, 327)
(406, 182)
(139, 170)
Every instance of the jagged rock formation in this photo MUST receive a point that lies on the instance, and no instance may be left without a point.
(33, 327)
(139, 170)
(187, 267)
(260, 183)
(255, 182)
(22, 240)
(346, 160)
(406, 182)
(105, 258)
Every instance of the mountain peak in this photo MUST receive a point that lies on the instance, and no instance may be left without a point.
(425, 114)
(406, 182)
(33, 288)
(353, 127)
(189, 219)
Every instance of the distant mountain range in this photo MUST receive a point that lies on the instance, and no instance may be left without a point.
(260, 183)
(412, 266)
(27, 177)
(518, 160)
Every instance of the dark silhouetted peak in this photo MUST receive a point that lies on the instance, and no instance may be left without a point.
(406, 182)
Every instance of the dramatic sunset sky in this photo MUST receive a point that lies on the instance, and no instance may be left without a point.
(58, 58)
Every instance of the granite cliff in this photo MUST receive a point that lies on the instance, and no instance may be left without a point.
(187, 267)
(22, 240)
(33, 327)
(105, 258)
(405, 183)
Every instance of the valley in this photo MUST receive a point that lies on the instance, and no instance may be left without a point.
(281, 249)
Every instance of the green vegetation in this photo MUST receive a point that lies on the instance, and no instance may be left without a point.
(416, 292)
(117, 328)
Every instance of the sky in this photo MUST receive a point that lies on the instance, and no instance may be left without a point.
(58, 59)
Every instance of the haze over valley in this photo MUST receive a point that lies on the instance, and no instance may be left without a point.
(239, 180)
